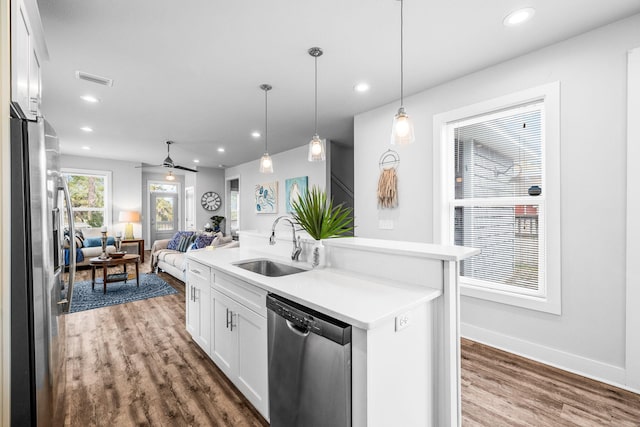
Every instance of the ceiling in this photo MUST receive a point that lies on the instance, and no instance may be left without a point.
(190, 71)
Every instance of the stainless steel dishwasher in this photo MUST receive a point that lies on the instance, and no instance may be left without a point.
(309, 367)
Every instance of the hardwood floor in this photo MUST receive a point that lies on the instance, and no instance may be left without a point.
(135, 364)
(502, 389)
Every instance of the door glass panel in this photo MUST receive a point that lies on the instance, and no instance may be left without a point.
(164, 214)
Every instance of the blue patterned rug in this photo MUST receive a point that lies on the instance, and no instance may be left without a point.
(84, 298)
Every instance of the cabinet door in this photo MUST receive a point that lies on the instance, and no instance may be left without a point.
(224, 338)
(252, 358)
(203, 299)
(34, 84)
(20, 55)
(192, 310)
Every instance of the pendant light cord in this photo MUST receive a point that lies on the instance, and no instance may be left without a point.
(315, 129)
(265, 120)
(401, 53)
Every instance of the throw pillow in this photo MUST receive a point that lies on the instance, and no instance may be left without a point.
(94, 242)
(185, 242)
(79, 239)
(203, 240)
(173, 243)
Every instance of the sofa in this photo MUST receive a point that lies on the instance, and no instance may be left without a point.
(88, 245)
(168, 256)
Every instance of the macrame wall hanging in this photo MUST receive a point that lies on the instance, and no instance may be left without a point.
(388, 181)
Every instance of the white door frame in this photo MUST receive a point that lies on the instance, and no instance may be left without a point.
(632, 365)
(227, 207)
(148, 206)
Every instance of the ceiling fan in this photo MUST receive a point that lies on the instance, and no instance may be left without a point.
(168, 161)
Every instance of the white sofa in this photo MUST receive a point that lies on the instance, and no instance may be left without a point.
(173, 262)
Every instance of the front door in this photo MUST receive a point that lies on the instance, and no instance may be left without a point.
(164, 215)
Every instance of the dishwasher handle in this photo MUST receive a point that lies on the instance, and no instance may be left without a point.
(296, 329)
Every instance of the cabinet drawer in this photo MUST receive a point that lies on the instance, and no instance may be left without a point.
(244, 293)
(198, 271)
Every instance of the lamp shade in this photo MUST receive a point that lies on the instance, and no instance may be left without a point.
(129, 216)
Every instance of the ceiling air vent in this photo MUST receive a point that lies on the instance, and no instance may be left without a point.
(81, 75)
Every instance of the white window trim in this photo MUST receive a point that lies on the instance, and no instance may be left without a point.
(633, 229)
(550, 302)
(108, 199)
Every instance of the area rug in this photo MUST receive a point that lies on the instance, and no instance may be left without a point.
(84, 298)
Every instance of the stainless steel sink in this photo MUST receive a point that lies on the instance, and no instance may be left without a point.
(269, 268)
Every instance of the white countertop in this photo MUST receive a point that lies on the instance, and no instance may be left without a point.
(364, 302)
(416, 249)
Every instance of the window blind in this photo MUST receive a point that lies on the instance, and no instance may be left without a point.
(498, 170)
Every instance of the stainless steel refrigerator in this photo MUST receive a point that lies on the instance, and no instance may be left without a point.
(39, 294)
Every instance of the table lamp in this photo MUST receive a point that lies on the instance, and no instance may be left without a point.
(129, 217)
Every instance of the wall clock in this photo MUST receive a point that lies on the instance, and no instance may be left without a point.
(210, 201)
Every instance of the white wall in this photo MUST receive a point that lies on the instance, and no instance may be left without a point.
(589, 336)
(288, 164)
(126, 186)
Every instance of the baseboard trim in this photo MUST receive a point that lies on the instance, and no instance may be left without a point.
(599, 371)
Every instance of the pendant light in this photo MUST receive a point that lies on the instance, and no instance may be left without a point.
(170, 176)
(402, 130)
(266, 165)
(316, 146)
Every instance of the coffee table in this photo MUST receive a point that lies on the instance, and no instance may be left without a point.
(111, 262)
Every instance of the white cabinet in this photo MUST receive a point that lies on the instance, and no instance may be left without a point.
(25, 59)
(198, 312)
(239, 338)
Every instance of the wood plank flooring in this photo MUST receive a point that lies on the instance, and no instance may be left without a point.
(135, 365)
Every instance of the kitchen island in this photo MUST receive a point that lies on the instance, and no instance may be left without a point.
(401, 299)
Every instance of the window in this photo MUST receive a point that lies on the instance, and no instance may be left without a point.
(90, 201)
(499, 193)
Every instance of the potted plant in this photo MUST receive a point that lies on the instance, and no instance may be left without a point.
(318, 217)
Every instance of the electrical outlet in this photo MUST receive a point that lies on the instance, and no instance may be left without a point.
(402, 321)
(385, 224)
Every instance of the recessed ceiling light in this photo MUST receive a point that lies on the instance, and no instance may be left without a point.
(196, 161)
(85, 147)
(361, 87)
(255, 134)
(90, 98)
(519, 16)
(86, 129)
(221, 150)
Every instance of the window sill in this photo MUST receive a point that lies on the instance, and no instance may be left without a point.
(546, 305)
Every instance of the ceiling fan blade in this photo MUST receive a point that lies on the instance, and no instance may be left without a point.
(145, 165)
(184, 169)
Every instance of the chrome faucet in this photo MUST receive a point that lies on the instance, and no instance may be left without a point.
(295, 254)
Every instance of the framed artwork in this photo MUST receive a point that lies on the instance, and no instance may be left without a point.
(267, 198)
(294, 189)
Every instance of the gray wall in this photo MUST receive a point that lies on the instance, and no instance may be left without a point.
(208, 179)
(589, 336)
(288, 164)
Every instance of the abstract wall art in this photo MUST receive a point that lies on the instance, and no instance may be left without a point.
(294, 189)
(267, 198)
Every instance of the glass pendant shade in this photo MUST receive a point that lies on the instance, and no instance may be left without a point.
(170, 176)
(316, 149)
(402, 129)
(266, 165)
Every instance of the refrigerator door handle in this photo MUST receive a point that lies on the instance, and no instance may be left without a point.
(72, 241)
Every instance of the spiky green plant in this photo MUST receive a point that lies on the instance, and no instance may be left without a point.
(319, 217)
